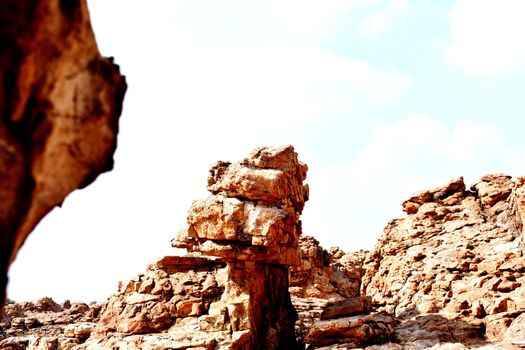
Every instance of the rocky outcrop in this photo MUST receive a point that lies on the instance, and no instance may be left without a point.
(59, 108)
(45, 324)
(449, 275)
(325, 290)
(231, 290)
(323, 274)
(454, 264)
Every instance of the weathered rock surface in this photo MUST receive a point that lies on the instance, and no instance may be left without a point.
(325, 290)
(449, 275)
(453, 268)
(231, 290)
(352, 331)
(59, 108)
(44, 324)
(324, 274)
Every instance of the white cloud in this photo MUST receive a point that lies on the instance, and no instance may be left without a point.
(198, 92)
(487, 36)
(375, 24)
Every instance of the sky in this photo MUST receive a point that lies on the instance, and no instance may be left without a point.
(381, 98)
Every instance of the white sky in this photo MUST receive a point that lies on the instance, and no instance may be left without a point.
(380, 98)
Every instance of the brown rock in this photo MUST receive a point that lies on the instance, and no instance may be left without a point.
(356, 330)
(326, 275)
(493, 188)
(44, 324)
(458, 254)
(59, 108)
(231, 291)
(449, 194)
(342, 308)
(497, 325)
(515, 331)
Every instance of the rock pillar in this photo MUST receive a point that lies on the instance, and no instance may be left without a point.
(251, 221)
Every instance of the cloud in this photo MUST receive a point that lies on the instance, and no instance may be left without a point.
(351, 203)
(199, 91)
(376, 23)
(487, 36)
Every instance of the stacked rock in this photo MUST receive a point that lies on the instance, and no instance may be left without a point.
(251, 221)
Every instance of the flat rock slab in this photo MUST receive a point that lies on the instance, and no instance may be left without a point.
(358, 330)
(347, 307)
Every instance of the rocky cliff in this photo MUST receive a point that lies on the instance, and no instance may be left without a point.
(452, 269)
(231, 290)
(59, 107)
(449, 275)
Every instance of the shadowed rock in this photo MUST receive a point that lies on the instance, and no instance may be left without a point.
(59, 107)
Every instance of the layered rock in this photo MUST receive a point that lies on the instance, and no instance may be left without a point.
(325, 290)
(231, 290)
(454, 263)
(59, 108)
(323, 274)
(449, 275)
(45, 324)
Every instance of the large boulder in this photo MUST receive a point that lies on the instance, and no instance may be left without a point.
(60, 101)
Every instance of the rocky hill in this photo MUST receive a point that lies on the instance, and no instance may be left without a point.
(449, 275)
(453, 268)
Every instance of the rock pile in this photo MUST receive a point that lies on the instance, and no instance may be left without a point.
(231, 290)
(453, 269)
(325, 290)
(323, 274)
(44, 324)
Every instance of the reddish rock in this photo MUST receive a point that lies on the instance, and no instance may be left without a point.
(343, 308)
(325, 274)
(59, 107)
(355, 330)
(458, 256)
(232, 291)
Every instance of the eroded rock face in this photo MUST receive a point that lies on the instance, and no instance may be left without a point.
(171, 289)
(455, 263)
(325, 290)
(59, 108)
(323, 274)
(45, 324)
(231, 290)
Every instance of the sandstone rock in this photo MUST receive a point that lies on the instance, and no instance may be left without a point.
(515, 331)
(354, 329)
(59, 108)
(326, 275)
(447, 276)
(81, 331)
(342, 308)
(44, 324)
(496, 325)
(457, 255)
(231, 290)
(493, 188)
(450, 193)
(167, 290)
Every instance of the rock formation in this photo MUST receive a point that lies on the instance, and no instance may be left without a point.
(44, 324)
(325, 290)
(449, 275)
(231, 290)
(170, 306)
(453, 268)
(323, 274)
(59, 108)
